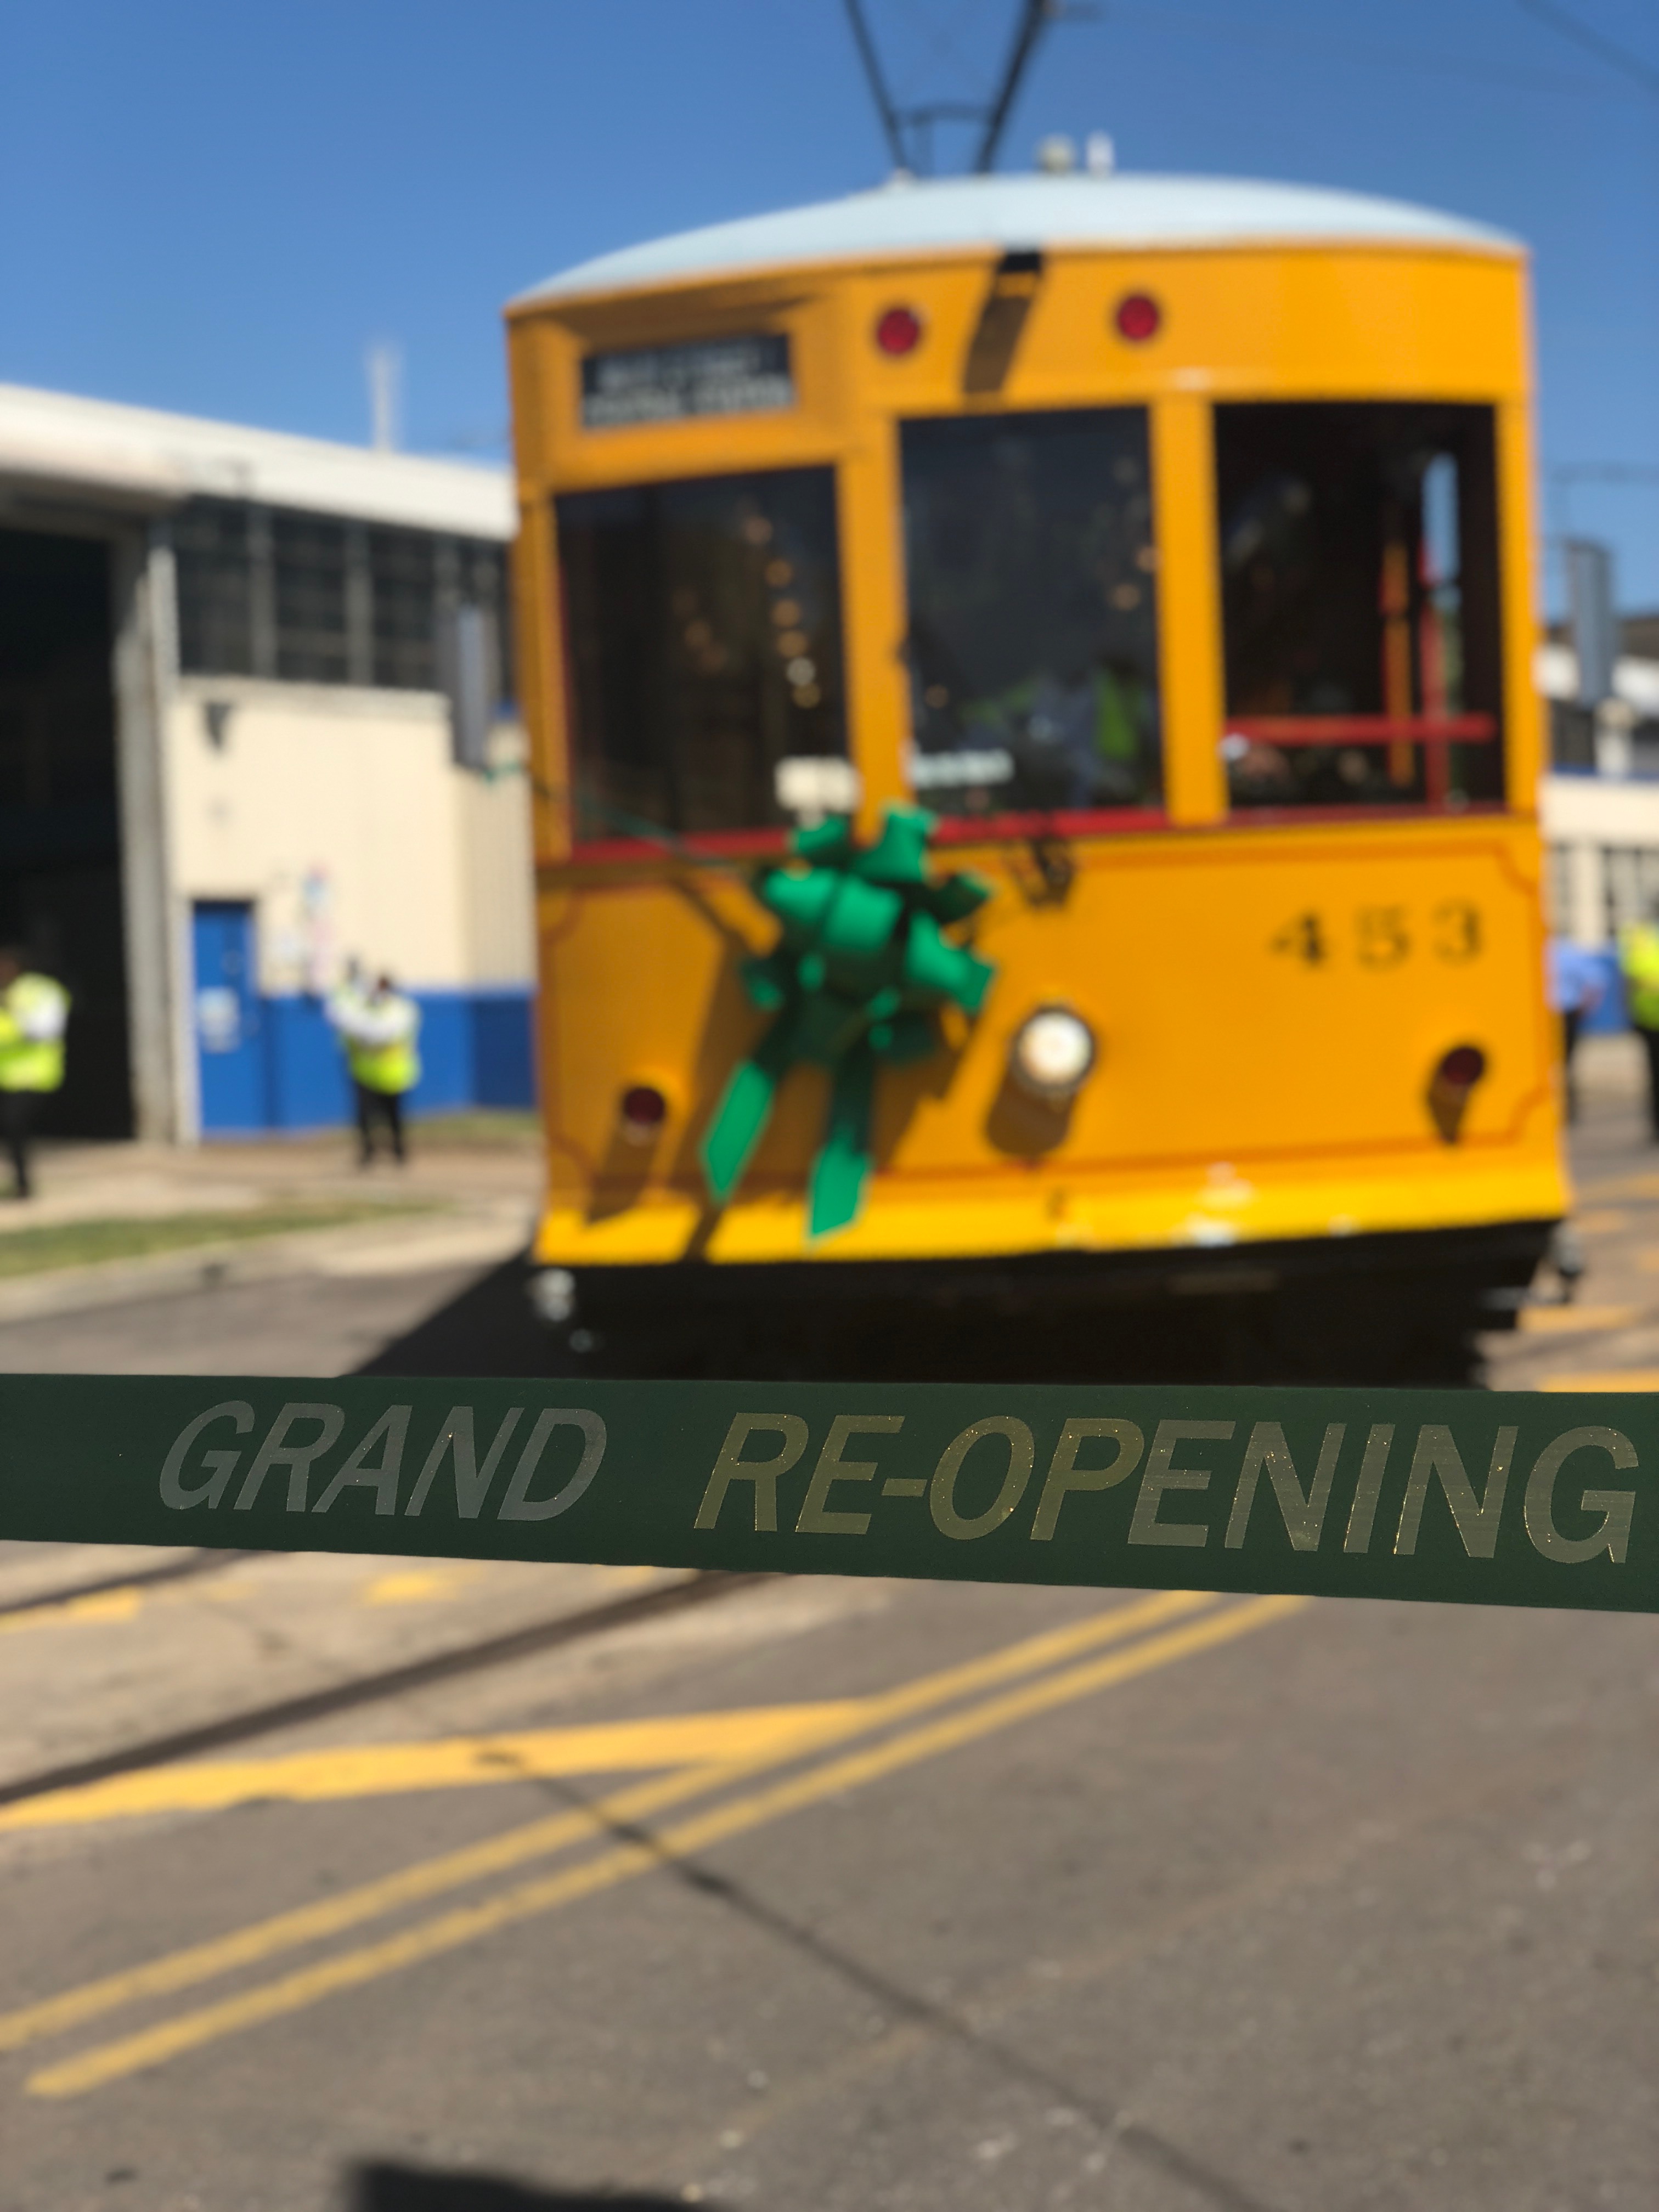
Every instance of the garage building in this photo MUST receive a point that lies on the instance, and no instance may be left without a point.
(255, 720)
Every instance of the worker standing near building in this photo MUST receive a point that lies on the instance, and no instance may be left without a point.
(33, 1015)
(347, 996)
(1638, 960)
(1576, 983)
(379, 1029)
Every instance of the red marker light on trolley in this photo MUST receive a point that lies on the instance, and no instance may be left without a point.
(644, 1110)
(898, 331)
(1454, 1079)
(1138, 317)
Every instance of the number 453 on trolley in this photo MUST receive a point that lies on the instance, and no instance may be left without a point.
(1036, 748)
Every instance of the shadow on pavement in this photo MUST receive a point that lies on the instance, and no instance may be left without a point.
(1413, 1326)
(413, 2189)
(490, 1329)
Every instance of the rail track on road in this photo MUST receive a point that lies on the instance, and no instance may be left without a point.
(370, 1689)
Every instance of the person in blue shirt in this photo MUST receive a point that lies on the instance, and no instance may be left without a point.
(1576, 979)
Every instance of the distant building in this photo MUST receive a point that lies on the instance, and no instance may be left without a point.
(1600, 798)
(254, 718)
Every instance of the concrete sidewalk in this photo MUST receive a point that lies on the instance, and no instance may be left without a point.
(468, 1196)
(462, 1161)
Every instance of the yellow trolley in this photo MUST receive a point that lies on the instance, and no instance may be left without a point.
(1169, 542)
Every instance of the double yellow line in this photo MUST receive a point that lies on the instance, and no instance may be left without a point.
(1164, 1626)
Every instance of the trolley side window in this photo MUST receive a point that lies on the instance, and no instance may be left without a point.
(1359, 574)
(1033, 637)
(702, 621)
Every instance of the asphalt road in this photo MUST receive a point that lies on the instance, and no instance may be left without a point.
(1241, 1905)
(462, 1320)
(442, 1321)
(828, 1895)
(1608, 1337)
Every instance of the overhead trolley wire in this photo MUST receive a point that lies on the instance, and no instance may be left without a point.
(1595, 42)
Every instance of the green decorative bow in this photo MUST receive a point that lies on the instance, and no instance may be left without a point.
(854, 979)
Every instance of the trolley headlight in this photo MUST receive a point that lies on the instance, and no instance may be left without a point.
(1053, 1054)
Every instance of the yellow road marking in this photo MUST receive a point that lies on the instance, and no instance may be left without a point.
(293, 1992)
(413, 1586)
(1565, 1321)
(1603, 1221)
(417, 1586)
(1637, 1186)
(309, 1923)
(348, 1908)
(53, 1613)
(1605, 1378)
(381, 1770)
(630, 1577)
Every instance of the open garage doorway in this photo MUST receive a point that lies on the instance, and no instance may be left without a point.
(60, 844)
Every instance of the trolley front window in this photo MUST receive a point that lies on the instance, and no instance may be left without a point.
(1033, 638)
(702, 621)
(1359, 573)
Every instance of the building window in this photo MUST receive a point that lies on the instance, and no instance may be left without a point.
(216, 588)
(1572, 735)
(309, 559)
(309, 599)
(1630, 884)
(403, 577)
(1558, 889)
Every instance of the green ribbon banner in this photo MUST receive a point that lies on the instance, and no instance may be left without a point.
(1458, 1496)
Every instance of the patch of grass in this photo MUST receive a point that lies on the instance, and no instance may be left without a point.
(83, 1244)
(480, 1129)
(485, 1129)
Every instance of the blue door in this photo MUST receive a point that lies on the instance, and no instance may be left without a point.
(230, 1040)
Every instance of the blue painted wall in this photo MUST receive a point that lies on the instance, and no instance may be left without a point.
(475, 1047)
(1608, 1015)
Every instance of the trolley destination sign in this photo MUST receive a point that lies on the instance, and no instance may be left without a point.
(744, 375)
(1457, 1496)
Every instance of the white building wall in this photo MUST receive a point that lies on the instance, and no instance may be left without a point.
(340, 813)
(1603, 836)
(498, 888)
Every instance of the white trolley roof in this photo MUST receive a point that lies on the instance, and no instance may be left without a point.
(909, 216)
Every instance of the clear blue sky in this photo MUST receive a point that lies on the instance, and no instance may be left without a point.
(215, 207)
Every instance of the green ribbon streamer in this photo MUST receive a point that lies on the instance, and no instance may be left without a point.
(855, 981)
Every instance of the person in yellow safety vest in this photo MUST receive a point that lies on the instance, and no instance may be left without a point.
(33, 1016)
(347, 996)
(1638, 960)
(379, 1029)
